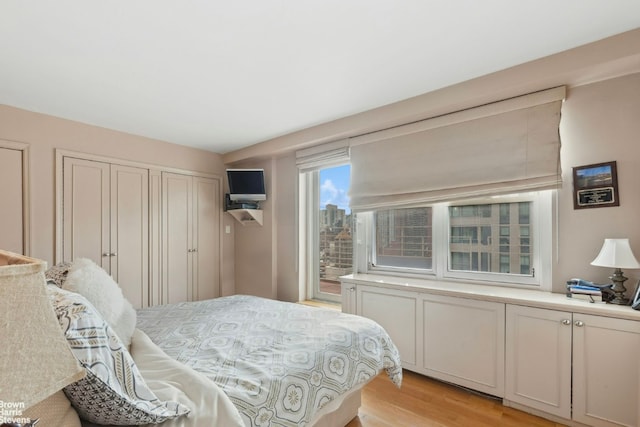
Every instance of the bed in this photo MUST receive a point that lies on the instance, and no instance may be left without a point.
(276, 361)
(232, 361)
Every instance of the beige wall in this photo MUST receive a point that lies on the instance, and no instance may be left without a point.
(45, 134)
(288, 284)
(266, 257)
(611, 57)
(255, 246)
(600, 123)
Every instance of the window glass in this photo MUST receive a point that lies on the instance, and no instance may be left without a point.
(404, 238)
(488, 234)
(335, 245)
(484, 241)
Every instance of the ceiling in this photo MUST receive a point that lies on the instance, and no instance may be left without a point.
(225, 75)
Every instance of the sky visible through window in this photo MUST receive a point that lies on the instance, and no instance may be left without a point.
(334, 187)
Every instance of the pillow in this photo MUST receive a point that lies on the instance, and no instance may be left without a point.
(91, 281)
(58, 273)
(113, 390)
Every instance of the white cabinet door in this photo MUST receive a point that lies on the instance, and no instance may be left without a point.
(538, 359)
(463, 342)
(606, 371)
(396, 312)
(348, 295)
(11, 207)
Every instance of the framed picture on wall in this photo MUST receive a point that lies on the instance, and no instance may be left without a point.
(595, 186)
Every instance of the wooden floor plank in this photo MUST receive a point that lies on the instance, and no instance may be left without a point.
(425, 402)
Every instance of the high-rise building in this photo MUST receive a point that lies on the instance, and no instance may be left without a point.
(332, 217)
(336, 246)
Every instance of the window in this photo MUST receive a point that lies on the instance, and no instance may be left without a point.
(324, 219)
(484, 240)
(326, 222)
(403, 238)
(336, 246)
(488, 220)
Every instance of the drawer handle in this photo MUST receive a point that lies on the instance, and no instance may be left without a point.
(579, 323)
(566, 321)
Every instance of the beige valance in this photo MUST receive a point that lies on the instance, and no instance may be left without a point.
(322, 156)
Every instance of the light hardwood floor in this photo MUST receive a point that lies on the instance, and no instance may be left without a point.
(429, 403)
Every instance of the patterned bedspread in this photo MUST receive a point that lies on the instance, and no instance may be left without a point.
(280, 363)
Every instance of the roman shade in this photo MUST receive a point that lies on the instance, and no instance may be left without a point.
(321, 156)
(504, 147)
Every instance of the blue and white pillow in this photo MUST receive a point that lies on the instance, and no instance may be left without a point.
(113, 390)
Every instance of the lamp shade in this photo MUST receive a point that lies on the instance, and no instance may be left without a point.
(616, 253)
(35, 359)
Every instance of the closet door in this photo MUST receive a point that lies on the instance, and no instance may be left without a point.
(86, 213)
(177, 243)
(106, 219)
(190, 238)
(129, 232)
(206, 238)
(11, 208)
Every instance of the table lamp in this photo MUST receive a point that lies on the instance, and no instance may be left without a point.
(35, 358)
(616, 253)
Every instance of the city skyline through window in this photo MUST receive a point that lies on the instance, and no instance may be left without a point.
(334, 187)
(335, 242)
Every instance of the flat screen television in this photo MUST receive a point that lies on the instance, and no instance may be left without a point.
(246, 185)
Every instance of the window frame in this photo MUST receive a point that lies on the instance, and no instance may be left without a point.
(309, 241)
(541, 215)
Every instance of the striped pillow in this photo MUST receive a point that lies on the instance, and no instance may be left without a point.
(113, 390)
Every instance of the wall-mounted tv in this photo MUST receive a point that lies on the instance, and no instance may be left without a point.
(246, 185)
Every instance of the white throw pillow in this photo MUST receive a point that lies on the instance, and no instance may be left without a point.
(88, 279)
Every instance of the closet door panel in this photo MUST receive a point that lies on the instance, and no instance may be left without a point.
(11, 207)
(129, 256)
(155, 237)
(206, 258)
(86, 211)
(177, 238)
